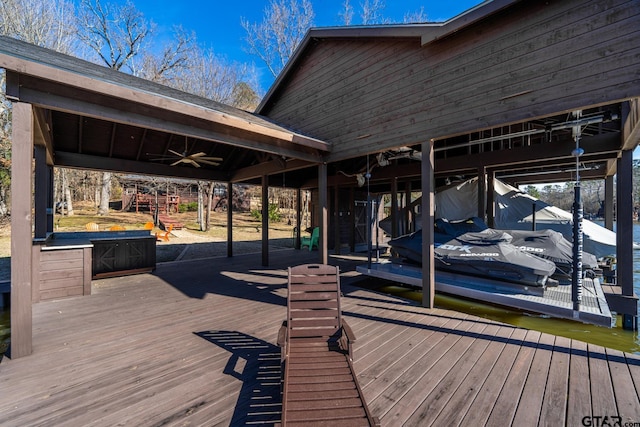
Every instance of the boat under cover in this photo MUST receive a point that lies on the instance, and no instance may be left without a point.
(547, 244)
(487, 253)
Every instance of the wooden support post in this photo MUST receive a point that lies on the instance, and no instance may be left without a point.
(608, 202)
(229, 219)
(482, 193)
(265, 221)
(624, 236)
(21, 245)
(41, 192)
(428, 272)
(394, 207)
(336, 220)
(322, 213)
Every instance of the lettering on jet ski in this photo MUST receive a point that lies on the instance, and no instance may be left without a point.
(530, 249)
(466, 249)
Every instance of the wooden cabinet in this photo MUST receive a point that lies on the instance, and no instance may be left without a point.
(121, 255)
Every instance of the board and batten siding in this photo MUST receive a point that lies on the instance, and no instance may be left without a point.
(530, 60)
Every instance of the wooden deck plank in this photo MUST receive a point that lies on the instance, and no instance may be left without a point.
(508, 400)
(626, 396)
(579, 398)
(195, 344)
(528, 413)
(461, 400)
(481, 408)
(600, 377)
(396, 374)
(554, 401)
(444, 389)
(426, 373)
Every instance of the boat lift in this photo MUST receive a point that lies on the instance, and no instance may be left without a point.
(552, 301)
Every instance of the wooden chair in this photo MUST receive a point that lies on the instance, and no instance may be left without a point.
(319, 384)
(165, 236)
(92, 226)
(311, 241)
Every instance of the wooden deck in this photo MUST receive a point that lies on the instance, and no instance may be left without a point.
(194, 344)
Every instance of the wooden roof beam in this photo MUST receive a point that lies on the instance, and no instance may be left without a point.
(268, 168)
(85, 161)
(605, 144)
(74, 106)
(631, 124)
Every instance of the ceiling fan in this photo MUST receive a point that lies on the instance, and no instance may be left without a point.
(195, 159)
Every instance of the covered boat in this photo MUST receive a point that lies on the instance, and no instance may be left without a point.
(517, 210)
(551, 245)
(488, 253)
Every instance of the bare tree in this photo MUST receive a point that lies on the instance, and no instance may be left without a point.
(278, 35)
(5, 147)
(371, 12)
(419, 16)
(210, 76)
(116, 35)
(347, 13)
(48, 24)
(173, 62)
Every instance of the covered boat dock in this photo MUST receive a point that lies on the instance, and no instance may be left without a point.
(500, 91)
(195, 345)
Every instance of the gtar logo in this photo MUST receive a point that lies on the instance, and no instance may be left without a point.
(602, 421)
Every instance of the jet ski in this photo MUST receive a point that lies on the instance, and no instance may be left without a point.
(488, 253)
(552, 245)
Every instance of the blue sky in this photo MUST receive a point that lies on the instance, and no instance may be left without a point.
(217, 23)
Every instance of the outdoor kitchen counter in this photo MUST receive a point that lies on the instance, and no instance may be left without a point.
(67, 261)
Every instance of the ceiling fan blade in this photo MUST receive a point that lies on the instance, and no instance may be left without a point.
(176, 153)
(193, 162)
(200, 154)
(213, 159)
(207, 162)
(179, 161)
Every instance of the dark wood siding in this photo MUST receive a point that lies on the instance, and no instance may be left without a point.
(530, 60)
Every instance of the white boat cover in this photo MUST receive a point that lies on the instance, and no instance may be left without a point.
(514, 211)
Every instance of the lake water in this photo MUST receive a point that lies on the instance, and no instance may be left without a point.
(617, 338)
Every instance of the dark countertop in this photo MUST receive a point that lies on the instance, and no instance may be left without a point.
(85, 239)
